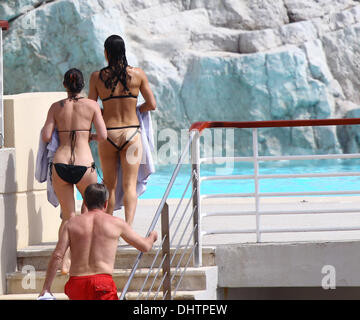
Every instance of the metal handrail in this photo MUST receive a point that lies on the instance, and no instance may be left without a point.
(197, 233)
(158, 211)
(198, 127)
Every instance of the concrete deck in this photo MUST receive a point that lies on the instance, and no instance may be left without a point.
(263, 265)
(146, 209)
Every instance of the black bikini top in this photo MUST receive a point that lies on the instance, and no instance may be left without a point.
(129, 95)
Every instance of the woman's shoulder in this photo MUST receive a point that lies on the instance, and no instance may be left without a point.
(135, 72)
(91, 103)
(59, 103)
(95, 75)
(134, 69)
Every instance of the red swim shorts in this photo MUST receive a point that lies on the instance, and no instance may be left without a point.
(93, 287)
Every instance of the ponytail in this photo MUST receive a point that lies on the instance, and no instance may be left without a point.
(74, 81)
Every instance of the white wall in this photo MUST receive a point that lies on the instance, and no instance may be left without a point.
(36, 219)
(7, 215)
(297, 264)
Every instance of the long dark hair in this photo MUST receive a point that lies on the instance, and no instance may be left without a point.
(116, 70)
(74, 81)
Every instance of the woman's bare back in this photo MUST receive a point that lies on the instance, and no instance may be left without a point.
(73, 119)
(120, 111)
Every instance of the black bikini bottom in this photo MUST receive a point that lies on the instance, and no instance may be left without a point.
(71, 173)
(119, 148)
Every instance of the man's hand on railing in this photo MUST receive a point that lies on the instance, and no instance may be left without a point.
(153, 235)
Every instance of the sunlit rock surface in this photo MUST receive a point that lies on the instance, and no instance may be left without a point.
(235, 60)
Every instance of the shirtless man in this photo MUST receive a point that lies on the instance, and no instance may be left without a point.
(93, 238)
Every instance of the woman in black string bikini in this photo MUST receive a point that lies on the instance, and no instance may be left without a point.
(118, 86)
(73, 163)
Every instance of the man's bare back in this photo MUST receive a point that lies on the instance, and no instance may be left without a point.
(93, 241)
(93, 238)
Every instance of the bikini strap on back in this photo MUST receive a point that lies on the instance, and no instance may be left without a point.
(114, 87)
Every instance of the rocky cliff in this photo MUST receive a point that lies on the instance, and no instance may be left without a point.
(205, 59)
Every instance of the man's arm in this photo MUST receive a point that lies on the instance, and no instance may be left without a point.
(143, 244)
(56, 259)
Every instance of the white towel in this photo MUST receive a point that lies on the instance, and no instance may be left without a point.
(45, 154)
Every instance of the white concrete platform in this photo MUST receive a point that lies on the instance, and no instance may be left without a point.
(278, 253)
(146, 209)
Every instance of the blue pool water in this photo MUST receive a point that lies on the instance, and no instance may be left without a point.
(159, 180)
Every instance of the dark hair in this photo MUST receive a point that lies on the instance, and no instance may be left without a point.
(74, 80)
(116, 70)
(95, 196)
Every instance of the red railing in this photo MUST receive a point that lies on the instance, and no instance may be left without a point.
(201, 125)
(4, 25)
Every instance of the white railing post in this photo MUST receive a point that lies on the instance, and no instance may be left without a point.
(256, 181)
(195, 172)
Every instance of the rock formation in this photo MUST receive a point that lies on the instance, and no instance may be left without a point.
(235, 60)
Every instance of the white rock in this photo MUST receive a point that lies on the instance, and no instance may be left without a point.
(245, 14)
(343, 106)
(193, 54)
(317, 61)
(184, 21)
(260, 40)
(356, 13)
(300, 10)
(216, 39)
(342, 50)
(299, 32)
(154, 12)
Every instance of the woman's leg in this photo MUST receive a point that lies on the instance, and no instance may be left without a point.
(130, 159)
(65, 194)
(109, 165)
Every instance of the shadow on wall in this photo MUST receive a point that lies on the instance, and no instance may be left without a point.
(9, 236)
(34, 216)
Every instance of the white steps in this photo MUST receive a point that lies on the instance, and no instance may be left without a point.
(194, 284)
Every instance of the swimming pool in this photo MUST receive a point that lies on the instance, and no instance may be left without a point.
(159, 180)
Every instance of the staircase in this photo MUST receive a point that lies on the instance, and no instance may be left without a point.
(197, 283)
(174, 265)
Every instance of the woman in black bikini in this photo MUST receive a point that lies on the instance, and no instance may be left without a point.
(118, 86)
(73, 163)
